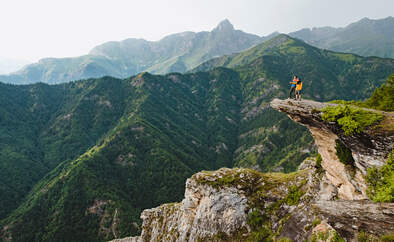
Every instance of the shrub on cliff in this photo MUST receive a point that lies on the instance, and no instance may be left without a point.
(351, 119)
(344, 153)
(381, 181)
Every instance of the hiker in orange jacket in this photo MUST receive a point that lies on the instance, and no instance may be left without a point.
(298, 89)
(293, 84)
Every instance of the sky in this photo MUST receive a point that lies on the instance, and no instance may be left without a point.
(31, 30)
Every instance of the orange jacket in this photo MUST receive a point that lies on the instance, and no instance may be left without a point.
(299, 86)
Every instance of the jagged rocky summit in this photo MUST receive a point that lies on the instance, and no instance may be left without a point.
(316, 203)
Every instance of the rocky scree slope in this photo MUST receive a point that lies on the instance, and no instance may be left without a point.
(320, 200)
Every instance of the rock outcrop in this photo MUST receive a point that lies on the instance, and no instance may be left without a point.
(247, 205)
(349, 217)
(236, 205)
(369, 148)
(205, 212)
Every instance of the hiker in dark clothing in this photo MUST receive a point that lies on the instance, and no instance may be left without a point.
(293, 85)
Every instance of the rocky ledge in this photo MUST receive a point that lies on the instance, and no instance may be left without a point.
(369, 148)
(236, 205)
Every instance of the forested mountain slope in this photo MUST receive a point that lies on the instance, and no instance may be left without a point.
(42, 126)
(166, 128)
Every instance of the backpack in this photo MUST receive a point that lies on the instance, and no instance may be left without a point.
(299, 85)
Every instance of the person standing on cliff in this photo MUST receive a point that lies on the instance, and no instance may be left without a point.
(293, 84)
(298, 89)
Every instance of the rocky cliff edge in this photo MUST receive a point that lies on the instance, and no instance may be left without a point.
(236, 205)
(247, 205)
(369, 148)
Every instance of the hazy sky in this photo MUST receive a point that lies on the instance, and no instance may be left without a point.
(33, 29)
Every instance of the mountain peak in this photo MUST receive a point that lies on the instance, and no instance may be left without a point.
(278, 40)
(224, 25)
(365, 20)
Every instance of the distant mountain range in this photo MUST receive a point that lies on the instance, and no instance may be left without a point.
(184, 51)
(366, 37)
(80, 160)
(174, 53)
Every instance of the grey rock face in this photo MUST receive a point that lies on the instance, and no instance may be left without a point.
(348, 217)
(203, 213)
(128, 239)
(216, 211)
(217, 206)
(327, 190)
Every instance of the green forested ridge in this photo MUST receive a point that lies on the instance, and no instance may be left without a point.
(23, 110)
(325, 74)
(166, 129)
(43, 125)
(101, 150)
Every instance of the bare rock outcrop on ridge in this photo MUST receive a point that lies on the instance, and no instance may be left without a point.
(218, 206)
